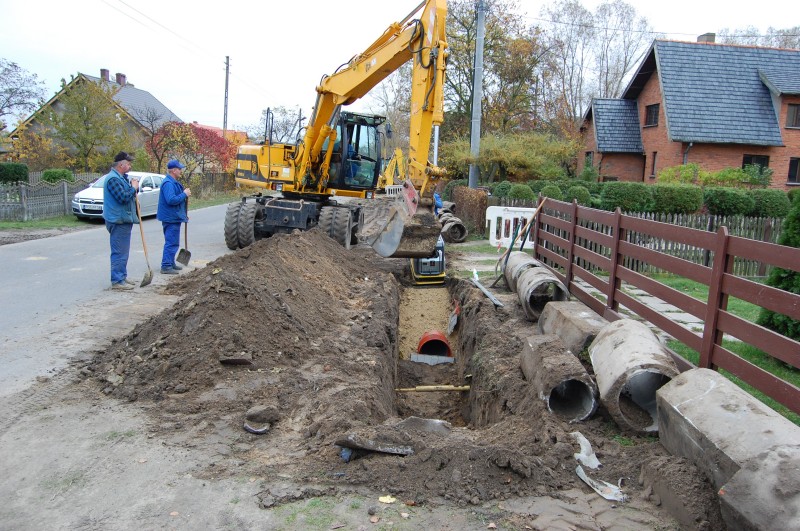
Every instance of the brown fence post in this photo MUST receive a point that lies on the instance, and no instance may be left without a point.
(711, 335)
(536, 225)
(571, 250)
(611, 302)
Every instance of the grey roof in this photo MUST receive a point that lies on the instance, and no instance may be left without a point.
(781, 82)
(138, 102)
(715, 93)
(616, 126)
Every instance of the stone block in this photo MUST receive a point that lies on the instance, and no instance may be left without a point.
(573, 322)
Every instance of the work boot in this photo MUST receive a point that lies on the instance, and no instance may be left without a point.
(121, 286)
(130, 282)
(176, 267)
(168, 271)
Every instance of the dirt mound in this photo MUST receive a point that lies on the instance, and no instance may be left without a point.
(298, 337)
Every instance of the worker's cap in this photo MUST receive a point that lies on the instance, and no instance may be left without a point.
(123, 156)
(175, 163)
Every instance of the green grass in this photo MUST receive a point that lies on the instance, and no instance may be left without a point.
(51, 223)
(216, 199)
(699, 291)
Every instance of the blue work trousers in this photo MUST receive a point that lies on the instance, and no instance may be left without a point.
(120, 237)
(172, 240)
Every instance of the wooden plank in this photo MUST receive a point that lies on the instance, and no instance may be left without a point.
(667, 294)
(554, 257)
(678, 266)
(593, 236)
(774, 299)
(695, 237)
(593, 280)
(769, 384)
(777, 255)
(685, 336)
(776, 345)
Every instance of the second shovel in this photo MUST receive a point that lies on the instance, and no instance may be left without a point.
(184, 255)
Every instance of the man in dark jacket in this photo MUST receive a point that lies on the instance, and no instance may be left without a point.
(171, 213)
(119, 211)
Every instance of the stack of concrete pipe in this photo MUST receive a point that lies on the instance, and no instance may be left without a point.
(534, 284)
(630, 365)
(453, 229)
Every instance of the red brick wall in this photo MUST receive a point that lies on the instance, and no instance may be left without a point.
(589, 143)
(711, 157)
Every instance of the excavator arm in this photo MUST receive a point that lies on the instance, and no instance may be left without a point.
(411, 230)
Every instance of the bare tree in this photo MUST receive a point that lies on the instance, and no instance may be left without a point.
(620, 40)
(751, 36)
(155, 143)
(285, 122)
(392, 99)
(20, 91)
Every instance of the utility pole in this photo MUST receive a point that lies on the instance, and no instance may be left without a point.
(225, 116)
(477, 96)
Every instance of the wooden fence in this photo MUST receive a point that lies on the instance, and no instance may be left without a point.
(26, 202)
(761, 229)
(596, 247)
(41, 200)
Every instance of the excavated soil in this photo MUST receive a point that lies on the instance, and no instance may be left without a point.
(299, 338)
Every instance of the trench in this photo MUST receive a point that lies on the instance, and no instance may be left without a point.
(424, 315)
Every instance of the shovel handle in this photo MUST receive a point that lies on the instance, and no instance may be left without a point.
(141, 231)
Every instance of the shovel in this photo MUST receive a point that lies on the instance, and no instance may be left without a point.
(148, 277)
(184, 255)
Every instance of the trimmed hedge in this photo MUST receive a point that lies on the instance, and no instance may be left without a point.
(11, 172)
(627, 196)
(580, 194)
(728, 201)
(521, 191)
(447, 193)
(676, 198)
(553, 192)
(57, 175)
(784, 279)
(769, 203)
(502, 189)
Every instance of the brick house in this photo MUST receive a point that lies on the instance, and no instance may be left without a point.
(719, 106)
(138, 110)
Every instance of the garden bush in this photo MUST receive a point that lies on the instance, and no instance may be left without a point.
(682, 174)
(447, 193)
(57, 175)
(627, 196)
(769, 203)
(728, 201)
(553, 192)
(733, 177)
(676, 198)
(502, 189)
(11, 172)
(521, 191)
(580, 194)
(784, 279)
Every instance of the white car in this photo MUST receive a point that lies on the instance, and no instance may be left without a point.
(88, 203)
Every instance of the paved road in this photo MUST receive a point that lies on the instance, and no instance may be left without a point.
(54, 292)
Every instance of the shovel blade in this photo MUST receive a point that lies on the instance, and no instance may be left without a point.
(148, 278)
(183, 257)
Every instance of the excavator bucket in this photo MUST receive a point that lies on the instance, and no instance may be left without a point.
(410, 232)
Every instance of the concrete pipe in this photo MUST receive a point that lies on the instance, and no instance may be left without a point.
(630, 365)
(536, 286)
(518, 261)
(454, 231)
(558, 378)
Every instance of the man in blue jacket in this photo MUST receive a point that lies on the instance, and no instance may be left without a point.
(171, 213)
(119, 211)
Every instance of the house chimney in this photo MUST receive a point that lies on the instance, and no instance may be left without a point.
(121, 79)
(104, 74)
(707, 37)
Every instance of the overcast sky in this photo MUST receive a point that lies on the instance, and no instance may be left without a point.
(176, 49)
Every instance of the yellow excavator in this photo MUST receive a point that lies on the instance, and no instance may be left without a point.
(394, 172)
(339, 154)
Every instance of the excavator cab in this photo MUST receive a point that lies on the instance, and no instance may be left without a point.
(355, 161)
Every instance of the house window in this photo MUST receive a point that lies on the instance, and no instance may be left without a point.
(651, 115)
(756, 160)
(653, 164)
(793, 170)
(793, 116)
(588, 161)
